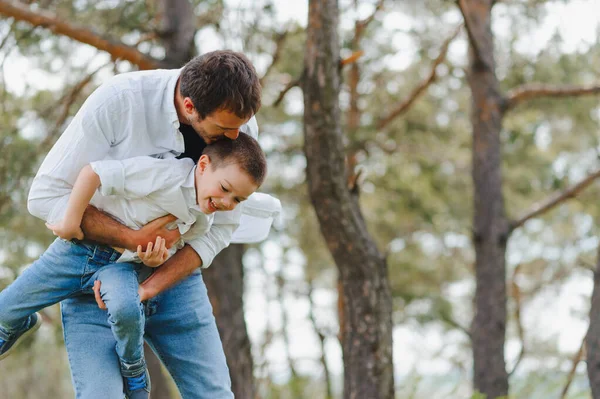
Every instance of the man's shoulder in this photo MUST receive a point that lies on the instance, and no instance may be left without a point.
(122, 93)
(130, 84)
(128, 78)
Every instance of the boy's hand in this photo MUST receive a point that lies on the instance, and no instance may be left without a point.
(156, 256)
(66, 231)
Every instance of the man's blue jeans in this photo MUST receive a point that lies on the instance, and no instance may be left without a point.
(67, 269)
(179, 327)
(179, 323)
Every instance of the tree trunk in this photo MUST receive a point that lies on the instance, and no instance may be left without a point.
(177, 31)
(225, 278)
(490, 226)
(365, 313)
(593, 335)
(225, 283)
(160, 385)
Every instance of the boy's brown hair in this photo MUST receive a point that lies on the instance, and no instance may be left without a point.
(243, 151)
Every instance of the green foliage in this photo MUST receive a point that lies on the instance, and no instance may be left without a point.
(415, 189)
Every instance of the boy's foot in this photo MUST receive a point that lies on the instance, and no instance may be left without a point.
(137, 387)
(33, 323)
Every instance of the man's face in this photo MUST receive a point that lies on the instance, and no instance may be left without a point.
(217, 125)
(223, 188)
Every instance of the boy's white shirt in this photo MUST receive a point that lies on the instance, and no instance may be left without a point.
(137, 190)
(131, 115)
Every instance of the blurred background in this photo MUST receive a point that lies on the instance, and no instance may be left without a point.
(407, 127)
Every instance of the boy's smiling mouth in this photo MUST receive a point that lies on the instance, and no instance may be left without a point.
(212, 206)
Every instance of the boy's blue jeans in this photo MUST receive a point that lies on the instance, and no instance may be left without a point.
(67, 269)
(179, 327)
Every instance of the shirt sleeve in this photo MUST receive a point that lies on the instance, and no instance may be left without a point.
(139, 177)
(88, 138)
(218, 237)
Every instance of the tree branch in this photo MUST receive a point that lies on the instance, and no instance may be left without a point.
(279, 41)
(554, 200)
(321, 335)
(533, 91)
(420, 89)
(42, 18)
(473, 37)
(516, 294)
(576, 359)
(361, 26)
(288, 87)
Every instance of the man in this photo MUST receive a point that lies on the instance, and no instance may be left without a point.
(162, 113)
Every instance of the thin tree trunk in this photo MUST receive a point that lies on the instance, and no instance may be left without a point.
(490, 225)
(225, 283)
(225, 278)
(160, 385)
(365, 318)
(593, 335)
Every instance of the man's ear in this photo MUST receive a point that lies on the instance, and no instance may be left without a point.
(203, 163)
(188, 106)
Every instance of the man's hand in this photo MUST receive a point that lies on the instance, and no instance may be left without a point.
(97, 295)
(65, 230)
(144, 295)
(154, 257)
(158, 228)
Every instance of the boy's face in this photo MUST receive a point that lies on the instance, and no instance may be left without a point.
(223, 188)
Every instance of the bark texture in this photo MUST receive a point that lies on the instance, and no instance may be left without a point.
(225, 283)
(490, 225)
(365, 311)
(592, 338)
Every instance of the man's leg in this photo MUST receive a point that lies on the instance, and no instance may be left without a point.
(88, 338)
(90, 345)
(181, 329)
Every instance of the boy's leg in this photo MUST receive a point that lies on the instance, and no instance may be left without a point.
(119, 291)
(57, 274)
(90, 346)
(181, 329)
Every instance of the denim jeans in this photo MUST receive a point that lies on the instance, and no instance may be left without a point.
(179, 327)
(66, 269)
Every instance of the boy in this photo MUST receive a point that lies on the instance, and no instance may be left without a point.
(134, 191)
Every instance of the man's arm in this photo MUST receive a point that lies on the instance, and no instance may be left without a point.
(100, 227)
(175, 269)
(198, 252)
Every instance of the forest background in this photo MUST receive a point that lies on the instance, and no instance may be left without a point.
(466, 135)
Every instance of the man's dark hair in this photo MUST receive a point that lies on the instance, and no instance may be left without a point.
(221, 79)
(243, 151)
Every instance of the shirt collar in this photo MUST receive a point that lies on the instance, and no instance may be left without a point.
(189, 190)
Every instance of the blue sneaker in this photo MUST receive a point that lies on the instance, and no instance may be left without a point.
(137, 387)
(34, 322)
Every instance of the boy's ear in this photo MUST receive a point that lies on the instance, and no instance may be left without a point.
(203, 163)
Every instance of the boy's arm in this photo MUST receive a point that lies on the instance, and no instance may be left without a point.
(83, 190)
(130, 178)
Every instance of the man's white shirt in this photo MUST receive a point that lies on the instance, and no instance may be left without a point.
(131, 115)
